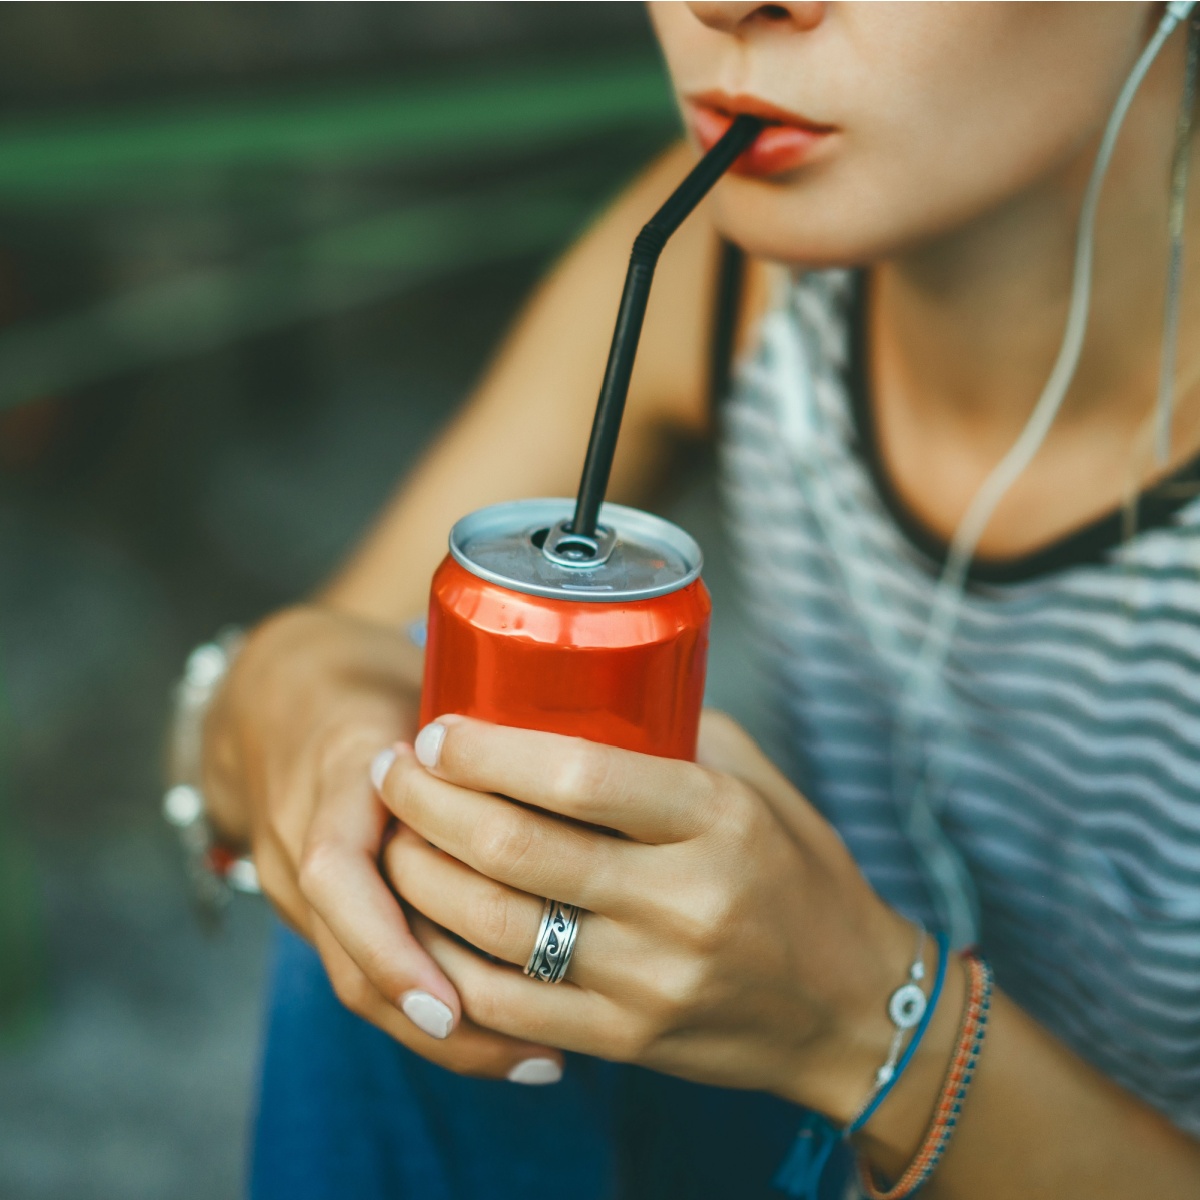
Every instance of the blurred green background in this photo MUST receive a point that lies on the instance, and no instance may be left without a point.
(251, 258)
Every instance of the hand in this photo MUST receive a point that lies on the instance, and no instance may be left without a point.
(309, 704)
(728, 936)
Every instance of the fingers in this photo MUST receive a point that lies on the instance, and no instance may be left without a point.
(377, 967)
(289, 743)
(650, 799)
(515, 845)
(339, 877)
(501, 998)
(496, 919)
(468, 1050)
(277, 879)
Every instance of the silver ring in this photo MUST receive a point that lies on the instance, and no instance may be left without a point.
(551, 953)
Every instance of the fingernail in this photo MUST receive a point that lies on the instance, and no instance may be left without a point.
(381, 764)
(427, 1013)
(428, 745)
(536, 1071)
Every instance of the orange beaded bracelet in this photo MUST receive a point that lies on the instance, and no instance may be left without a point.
(953, 1093)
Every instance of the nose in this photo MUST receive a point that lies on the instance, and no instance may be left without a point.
(741, 18)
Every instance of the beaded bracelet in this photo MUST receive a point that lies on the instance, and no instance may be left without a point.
(953, 1093)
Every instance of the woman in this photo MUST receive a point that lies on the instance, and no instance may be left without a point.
(1017, 764)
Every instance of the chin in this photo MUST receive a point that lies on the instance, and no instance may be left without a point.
(781, 225)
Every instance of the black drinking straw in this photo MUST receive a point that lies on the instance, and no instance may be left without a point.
(646, 248)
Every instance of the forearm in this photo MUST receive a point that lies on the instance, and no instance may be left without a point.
(1037, 1122)
(524, 430)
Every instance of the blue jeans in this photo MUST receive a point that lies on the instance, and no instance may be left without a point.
(345, 1113)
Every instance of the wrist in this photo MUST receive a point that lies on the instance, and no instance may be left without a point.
(300, 673)
(215, 865)
(317, 628)
(839, 1074)
(893, 1134)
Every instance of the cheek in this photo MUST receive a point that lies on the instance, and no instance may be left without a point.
(948, 113)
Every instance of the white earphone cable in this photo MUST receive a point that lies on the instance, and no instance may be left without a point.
(1012, 466)
(946, 872)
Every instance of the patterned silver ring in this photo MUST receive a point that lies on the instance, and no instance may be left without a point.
(551, 954)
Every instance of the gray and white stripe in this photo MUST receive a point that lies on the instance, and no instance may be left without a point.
(1066, 739)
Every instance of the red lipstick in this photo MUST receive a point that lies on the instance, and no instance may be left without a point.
(787, 141)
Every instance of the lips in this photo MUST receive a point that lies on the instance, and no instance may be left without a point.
(787, 141)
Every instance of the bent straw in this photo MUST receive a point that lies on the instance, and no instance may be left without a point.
(647, 247)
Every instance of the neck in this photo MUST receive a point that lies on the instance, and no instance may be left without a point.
(968, 327)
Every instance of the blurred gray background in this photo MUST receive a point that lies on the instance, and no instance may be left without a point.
(251, 258)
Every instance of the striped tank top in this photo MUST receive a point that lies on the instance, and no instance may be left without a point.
(1063, 747)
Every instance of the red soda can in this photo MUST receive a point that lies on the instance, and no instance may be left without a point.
(604, 638)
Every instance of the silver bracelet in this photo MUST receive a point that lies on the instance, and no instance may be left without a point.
(215, 872)
(906, 1007)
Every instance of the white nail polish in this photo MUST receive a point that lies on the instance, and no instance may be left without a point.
(428, 746)
(381, 764)
(427, 1013)
(536, 1071)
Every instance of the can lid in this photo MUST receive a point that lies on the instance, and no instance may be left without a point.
(521, 545)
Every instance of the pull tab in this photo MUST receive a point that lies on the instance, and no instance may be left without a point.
(577, 551)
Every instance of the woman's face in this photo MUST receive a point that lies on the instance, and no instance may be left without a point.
(899, 122)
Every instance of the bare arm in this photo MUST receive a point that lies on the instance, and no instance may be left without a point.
(524, 431)
(1039, 1122)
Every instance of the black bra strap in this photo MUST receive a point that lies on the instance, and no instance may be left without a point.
(730, 274)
